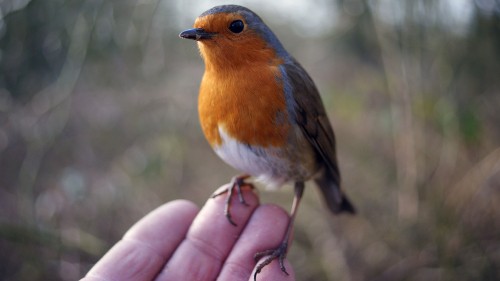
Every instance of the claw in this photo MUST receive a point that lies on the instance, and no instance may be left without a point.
(272, 254)
(236, 184)
(280, 252)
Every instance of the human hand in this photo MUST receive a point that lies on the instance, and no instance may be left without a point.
(176, 242)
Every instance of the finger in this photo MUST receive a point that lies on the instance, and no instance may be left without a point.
(264, 231)
(146, 247)
(209, 240)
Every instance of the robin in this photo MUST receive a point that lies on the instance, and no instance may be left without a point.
(262, 114)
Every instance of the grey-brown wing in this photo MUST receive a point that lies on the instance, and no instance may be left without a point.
(310, 116)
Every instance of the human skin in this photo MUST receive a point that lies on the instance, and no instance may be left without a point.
(177, 241)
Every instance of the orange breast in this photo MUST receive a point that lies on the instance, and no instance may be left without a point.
(248, 103)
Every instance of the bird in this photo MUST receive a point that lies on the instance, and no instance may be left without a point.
(262, 114)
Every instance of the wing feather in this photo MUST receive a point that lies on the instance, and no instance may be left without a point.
(310, 115)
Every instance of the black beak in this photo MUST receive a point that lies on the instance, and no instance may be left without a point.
(196, 34)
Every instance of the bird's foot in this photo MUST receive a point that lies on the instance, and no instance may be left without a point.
(270, 255)
(236, 184)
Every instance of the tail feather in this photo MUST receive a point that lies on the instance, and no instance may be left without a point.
(335, 199)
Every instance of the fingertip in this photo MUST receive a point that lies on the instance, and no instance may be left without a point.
(269, 222)
(265, 230)
(248, 191)
(212, 215)
(178, 212)
(148, 244)
(271, 213)
(240, 208)
(210, 238)
(277, 219)
(182, 203)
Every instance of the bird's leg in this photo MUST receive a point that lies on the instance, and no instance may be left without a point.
(281, 250)
(236, 184)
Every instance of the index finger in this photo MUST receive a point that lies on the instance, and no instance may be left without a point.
(146, 247)
(209, 240)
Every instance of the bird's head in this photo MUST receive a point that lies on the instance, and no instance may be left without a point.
(233, 36)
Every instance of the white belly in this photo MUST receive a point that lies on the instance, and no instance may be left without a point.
(266, 167)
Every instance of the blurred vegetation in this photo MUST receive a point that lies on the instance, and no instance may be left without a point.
(98, 126)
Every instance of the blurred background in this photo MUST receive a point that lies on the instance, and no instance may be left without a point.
(99, 125)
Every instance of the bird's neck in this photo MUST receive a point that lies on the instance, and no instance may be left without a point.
(236, 58)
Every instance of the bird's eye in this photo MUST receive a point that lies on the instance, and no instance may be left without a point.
(236, 26)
